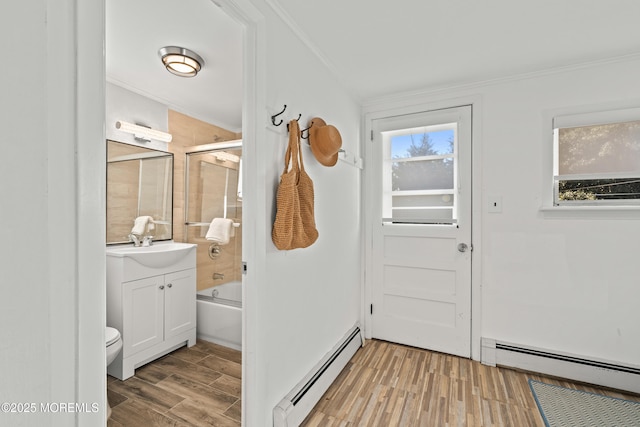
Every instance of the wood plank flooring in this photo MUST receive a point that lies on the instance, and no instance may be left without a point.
(197, 386)
(388, 384)
(383, 385)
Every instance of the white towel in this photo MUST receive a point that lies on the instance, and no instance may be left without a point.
(220, 230)
(142, 225)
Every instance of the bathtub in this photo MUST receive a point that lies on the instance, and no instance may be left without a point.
(219, 311)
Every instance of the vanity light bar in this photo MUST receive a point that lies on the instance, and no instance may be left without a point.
(141, 132)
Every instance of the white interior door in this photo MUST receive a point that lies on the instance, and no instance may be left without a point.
(419, 265)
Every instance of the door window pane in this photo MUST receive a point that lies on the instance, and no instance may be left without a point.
(421, 144)
(420, 175)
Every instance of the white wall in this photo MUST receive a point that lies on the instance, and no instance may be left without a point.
(50, 222)
(566, 282)
(24, 306)
(558, 283)
(122, 104)
(305, 299)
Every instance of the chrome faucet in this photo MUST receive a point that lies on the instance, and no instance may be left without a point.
(135, 239)
(148, 241)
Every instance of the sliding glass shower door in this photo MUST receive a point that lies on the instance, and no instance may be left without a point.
(213, 190)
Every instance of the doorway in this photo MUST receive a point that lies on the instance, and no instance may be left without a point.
(245, 16)
(419, 264)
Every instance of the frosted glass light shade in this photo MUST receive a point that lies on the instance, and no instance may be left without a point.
(180, 61)
(143, 133)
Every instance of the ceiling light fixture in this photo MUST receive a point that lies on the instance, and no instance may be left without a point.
(143, 133)
(180, 61)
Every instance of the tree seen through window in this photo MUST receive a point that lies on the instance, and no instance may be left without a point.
(599, 151)
(423, 161)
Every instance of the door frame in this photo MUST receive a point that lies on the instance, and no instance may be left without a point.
(411, 106)
(254, 237)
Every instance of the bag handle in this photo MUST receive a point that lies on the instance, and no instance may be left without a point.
(293, 149)
(298, 134)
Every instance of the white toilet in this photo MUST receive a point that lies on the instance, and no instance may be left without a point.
(114, 345)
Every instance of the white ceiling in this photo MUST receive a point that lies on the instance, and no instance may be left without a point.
(380, 48)
(136, 29)
(376, 48)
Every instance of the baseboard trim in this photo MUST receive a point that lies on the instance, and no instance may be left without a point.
(581, 368)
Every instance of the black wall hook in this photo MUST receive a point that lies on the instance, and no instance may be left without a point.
(273, 118)
(299, 116)
(306, 130)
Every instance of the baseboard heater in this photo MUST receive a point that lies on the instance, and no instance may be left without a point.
(574, 367)
(299, 402)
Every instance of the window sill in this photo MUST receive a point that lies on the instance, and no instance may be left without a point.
(591, 212)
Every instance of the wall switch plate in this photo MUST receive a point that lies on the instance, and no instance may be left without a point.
(494, 204)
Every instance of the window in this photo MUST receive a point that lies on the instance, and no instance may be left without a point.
(419, 174)
(597, 158)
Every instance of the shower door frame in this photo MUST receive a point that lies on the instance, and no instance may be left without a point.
(205, 149)
(200, 149)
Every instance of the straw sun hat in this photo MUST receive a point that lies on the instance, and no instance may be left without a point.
(325, 141)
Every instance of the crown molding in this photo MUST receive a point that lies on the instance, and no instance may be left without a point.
(438, 90)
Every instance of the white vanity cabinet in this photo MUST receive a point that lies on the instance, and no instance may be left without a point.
(151, 303)
(157, 308)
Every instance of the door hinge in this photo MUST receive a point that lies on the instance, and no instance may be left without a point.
(372, 134)
(371, 308)
(244, 267)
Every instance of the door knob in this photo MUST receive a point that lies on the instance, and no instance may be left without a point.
(462, 247)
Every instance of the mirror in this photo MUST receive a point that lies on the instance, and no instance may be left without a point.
(139, 183)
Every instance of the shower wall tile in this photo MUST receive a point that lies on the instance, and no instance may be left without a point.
(188, 132)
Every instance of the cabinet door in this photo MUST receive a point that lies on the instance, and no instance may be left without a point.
(180, 302)
(143, 307)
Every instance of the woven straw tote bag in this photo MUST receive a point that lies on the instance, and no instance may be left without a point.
(295, 225)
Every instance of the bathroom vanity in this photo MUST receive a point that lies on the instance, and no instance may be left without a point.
(151, 300)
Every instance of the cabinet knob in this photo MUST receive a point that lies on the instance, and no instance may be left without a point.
(161, 286)
(170, 285)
